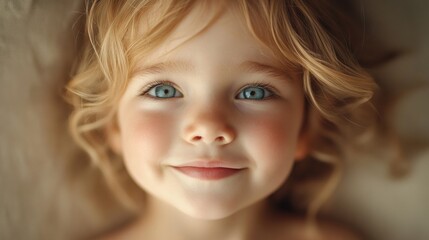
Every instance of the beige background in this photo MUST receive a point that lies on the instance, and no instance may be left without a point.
(41, 198)
(386, 208)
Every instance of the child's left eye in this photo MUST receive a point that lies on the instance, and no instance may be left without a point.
(254, 93)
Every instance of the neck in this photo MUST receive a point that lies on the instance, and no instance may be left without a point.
(162, 221)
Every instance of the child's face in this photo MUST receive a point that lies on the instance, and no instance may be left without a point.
(215, 101)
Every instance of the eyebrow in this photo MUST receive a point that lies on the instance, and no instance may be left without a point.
(173, 66)
(185, 66)
(255, 67)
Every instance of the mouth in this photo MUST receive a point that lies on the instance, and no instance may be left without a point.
(208, 173)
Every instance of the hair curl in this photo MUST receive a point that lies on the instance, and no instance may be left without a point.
(302, 35)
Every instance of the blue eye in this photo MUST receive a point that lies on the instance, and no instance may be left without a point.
(254, 93)
(164, 91)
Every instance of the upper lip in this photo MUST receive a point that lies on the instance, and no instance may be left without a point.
(211, 163)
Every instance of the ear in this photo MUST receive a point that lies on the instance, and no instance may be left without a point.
(302, 146)
(113, 135)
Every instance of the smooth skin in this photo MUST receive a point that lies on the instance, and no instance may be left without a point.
(218, 97)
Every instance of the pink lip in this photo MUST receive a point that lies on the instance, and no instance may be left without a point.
(207, 173)
(212, 163)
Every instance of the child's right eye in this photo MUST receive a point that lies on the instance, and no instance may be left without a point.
(163, 90)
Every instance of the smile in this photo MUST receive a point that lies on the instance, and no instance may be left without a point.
(208, 173)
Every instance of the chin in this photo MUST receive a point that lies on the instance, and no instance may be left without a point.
(208, 210)
(208, 215)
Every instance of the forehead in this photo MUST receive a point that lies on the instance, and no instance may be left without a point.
(217, 31)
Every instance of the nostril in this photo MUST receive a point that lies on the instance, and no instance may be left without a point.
(220, 139)
(196, 138)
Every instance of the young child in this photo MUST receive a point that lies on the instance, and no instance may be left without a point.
(220, 112)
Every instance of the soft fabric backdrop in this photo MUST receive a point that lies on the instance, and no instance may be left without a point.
(42, 198)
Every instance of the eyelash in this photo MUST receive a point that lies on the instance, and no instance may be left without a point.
(266, 86)
(147, 88)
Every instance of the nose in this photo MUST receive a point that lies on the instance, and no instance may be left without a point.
(208, 126)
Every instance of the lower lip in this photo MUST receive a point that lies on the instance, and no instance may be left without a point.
(208, 173)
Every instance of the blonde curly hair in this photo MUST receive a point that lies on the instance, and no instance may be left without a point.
(302, 36)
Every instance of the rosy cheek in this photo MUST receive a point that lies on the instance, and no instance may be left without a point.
(271, 140)
(146, 137)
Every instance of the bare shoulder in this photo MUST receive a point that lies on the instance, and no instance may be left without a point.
(109, 235)
(114, 235)
(123, 231)
(336, 231)
(296, 227)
